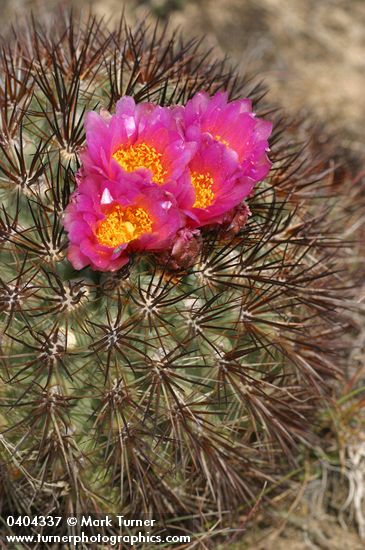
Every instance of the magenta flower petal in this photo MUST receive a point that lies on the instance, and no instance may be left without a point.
(217, 182)
(143, 142)
(233, 124)
(107, 221)
(76, 257)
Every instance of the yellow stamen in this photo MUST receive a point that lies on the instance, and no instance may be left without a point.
(141, 156)
(224, 141)
(203, 185)
(122, 225)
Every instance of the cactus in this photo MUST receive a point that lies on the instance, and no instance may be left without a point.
(178, 393)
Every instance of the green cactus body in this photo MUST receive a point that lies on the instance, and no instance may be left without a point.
(167, 393)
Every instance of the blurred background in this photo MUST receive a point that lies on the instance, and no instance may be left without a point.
(311, 54)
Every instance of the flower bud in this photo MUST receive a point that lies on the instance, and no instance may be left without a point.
(236, 219)
(184, 251)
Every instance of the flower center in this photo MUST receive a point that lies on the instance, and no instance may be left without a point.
(141, 156)
(122, 225)
(221, 140)
(203, 185)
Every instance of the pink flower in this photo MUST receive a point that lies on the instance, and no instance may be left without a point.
(218, 181)
(233, 124)
(151, 176)
(141, 144)
(106, 221)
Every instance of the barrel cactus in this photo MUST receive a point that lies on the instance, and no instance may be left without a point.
(173, 379)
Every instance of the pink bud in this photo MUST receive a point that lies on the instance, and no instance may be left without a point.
(236, 219)
(184, 251)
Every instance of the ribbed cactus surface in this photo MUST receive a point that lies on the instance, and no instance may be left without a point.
(170, 392)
